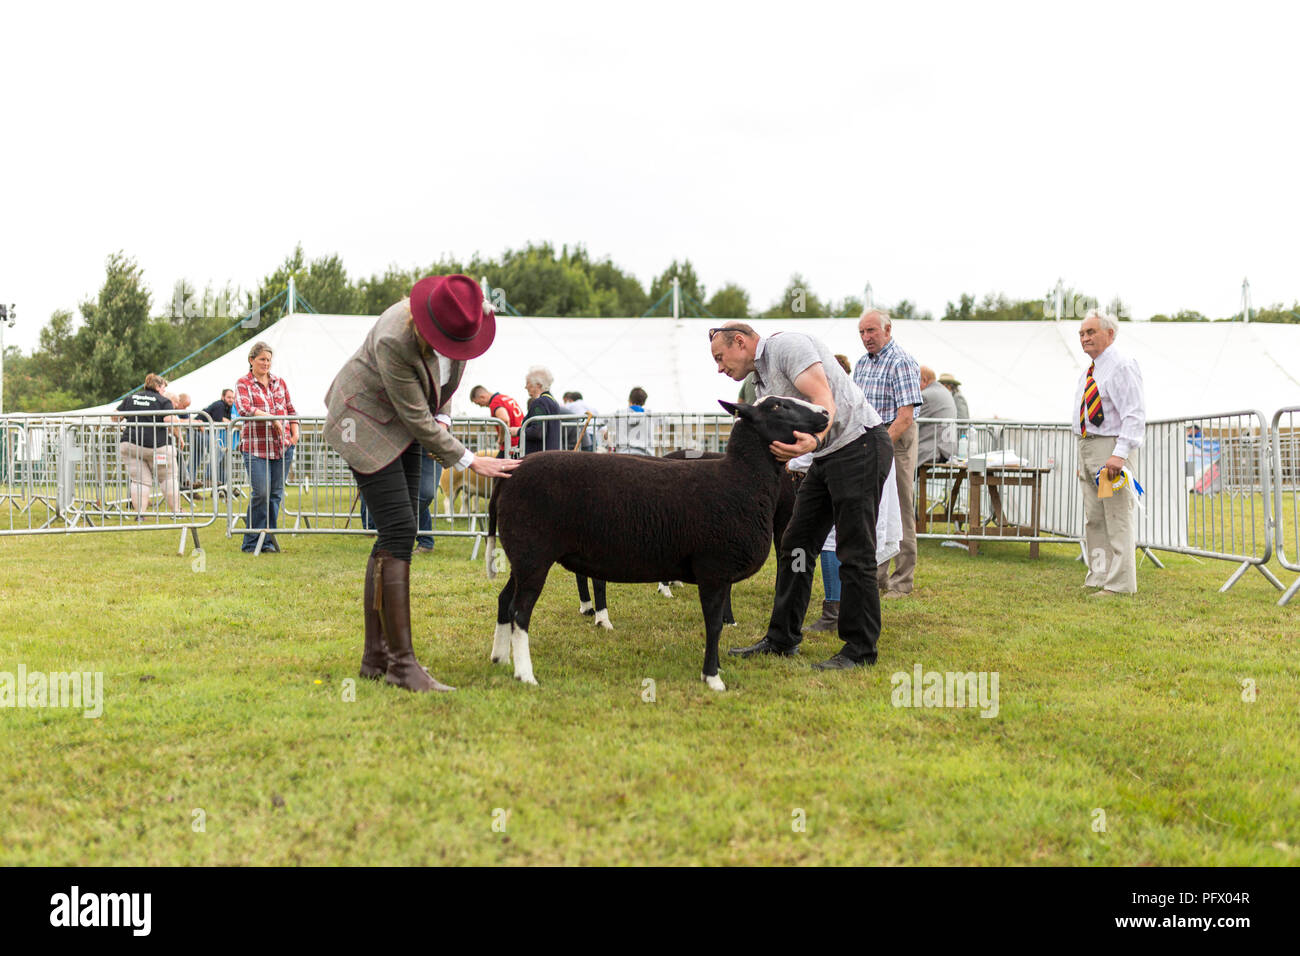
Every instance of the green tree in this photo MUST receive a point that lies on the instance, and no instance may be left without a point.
(536, 280)
(906, 309)
(620, 293)
(295, 267)
(964, 311)
(114, 347)
(56, 356)
(376, 294)
(327, 289)
(851, 306)
(1275, 313)
(797, 302)
(729, 302)
(29, 387)
(690, 285)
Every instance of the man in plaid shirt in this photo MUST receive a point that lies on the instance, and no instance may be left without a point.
(891, 380)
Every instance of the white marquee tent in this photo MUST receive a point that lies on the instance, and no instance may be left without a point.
(1022, 371)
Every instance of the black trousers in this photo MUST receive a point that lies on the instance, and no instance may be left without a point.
(391, 495)
(842, 490)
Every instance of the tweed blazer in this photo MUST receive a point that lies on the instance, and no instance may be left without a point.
(385, 397)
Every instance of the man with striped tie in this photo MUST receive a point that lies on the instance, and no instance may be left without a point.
(1109, 416)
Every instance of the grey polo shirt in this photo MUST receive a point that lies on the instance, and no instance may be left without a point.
(782, 357)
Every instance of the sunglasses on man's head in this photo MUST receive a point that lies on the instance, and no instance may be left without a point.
(725, 328)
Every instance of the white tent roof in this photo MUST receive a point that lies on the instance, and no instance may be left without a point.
(1012, 370)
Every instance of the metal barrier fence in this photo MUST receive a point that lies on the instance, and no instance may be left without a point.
(1221, 462)
(320, 495)
(129, 471)
(647, 433)
(1207, 483)
(1284, 437)
(1013, 481)
(1217, 486)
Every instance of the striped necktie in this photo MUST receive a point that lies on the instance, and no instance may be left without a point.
(1090, 407)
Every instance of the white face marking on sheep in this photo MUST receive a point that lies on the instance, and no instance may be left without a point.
(786, 398)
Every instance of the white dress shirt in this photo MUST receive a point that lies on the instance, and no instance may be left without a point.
(1123, 401)
(444, 376)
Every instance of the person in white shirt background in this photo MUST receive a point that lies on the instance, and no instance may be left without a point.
(1109, 416)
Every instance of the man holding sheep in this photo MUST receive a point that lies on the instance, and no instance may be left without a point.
(851, 460)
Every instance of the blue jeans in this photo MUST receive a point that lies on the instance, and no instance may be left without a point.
(831, 575)
(430, 475)
(266, 478)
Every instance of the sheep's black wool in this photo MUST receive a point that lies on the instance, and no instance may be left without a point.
(784, 508)
(631, 518)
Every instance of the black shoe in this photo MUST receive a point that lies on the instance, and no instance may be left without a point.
(764, 647)
(839, 663)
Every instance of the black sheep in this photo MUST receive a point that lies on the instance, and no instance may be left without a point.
(599, 609)
(632, 518)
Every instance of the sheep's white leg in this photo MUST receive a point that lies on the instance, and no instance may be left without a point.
(585, 608)
(501, 644)
(602, 619)
(714, 681)
(523, 662)
(665, 590)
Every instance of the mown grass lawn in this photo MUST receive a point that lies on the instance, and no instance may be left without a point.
(226, 737)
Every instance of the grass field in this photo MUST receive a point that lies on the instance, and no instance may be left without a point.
(226, 736)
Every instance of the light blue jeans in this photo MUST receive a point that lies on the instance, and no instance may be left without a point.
(266, 479)
(831, 575)
(430, 475)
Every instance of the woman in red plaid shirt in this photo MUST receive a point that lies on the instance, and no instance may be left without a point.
(267, 445)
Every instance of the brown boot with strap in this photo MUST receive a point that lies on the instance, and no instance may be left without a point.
(393, 602)
(374, 659)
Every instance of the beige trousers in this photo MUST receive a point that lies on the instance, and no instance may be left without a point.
(143, 465)
(905, 473)
(1109, 525)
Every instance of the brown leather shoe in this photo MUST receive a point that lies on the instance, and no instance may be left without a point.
(374, 659)
(393, 601)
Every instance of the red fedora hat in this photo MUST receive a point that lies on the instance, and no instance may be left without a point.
(451, 314)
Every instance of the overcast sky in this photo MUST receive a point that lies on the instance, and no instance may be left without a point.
(1149, 151)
